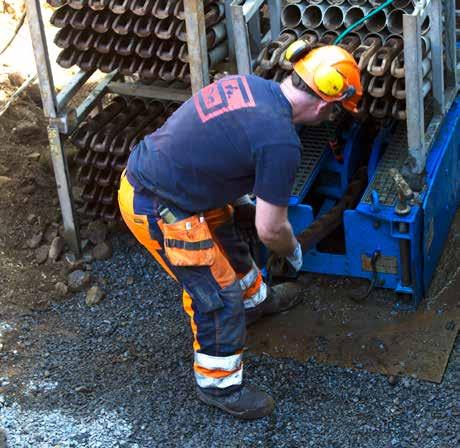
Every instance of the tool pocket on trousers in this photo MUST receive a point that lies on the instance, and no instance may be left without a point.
(188, 242)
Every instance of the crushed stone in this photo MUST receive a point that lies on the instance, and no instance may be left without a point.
(123, 375)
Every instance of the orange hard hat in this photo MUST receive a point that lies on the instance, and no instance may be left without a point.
(329, 71)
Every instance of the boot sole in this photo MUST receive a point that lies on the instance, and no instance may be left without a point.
(251, 414)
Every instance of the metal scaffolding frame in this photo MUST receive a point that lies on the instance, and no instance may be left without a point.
(420, 136)
(63, 120)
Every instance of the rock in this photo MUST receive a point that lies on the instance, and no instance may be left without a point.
(102, 251)
(72, 264)
(35, 241)
(31, 218)
(77, 266)
(56, 248)
(392, 380)
(78, 280)
(41, 254)
(4, 180)
(70, 257)
(94, 296)
(28, 189)
(84, 389)
(26, 132)
(16, 79)
(97, 232)
(61, 288)
(34, 94)
(35, 156)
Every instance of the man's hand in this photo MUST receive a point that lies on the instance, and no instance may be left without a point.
(245, 219)
(286, 267)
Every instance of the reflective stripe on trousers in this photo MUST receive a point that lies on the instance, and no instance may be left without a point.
(255, 290)
(218, 371)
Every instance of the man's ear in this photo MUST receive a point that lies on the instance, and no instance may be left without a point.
(321, 105)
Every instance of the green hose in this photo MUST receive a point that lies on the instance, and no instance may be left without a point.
(360, 21)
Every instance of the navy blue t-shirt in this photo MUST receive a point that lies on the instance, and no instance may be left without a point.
(235, 136)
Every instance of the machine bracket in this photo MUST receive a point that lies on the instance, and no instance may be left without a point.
(65, 122)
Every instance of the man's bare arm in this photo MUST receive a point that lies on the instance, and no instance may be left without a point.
(274, 229)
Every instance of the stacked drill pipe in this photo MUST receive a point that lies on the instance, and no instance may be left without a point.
(377, 45)
(146, 39)
(104, 143)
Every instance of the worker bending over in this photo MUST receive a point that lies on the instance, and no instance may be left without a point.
(185, 183)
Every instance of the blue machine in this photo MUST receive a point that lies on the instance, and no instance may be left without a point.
(393, 250)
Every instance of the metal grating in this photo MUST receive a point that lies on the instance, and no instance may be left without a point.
(314, 142)
(393, 157)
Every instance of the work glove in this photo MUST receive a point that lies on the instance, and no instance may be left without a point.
(285, 267)
(245, 219)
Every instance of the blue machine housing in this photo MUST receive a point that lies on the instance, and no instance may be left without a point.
(374, 227)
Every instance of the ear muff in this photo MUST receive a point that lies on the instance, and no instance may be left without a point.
(297, 50)
(328, 80)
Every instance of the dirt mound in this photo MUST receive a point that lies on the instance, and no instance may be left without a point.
(28, 199)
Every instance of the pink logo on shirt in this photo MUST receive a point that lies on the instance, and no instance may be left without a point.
(231, 93)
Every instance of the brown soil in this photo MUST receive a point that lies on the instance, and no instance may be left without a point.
(28, 202)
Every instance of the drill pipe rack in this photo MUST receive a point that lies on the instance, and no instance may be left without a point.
(63, 119)
(442, 33)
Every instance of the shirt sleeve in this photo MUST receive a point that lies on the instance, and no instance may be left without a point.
(276, 167)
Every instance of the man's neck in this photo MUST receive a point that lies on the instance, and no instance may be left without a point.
(288, 91)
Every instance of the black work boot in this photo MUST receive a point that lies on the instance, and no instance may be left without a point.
(279, 298)
(247, 403)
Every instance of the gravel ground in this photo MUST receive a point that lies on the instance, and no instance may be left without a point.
(119, 374)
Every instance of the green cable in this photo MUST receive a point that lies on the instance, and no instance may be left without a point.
(360, 21)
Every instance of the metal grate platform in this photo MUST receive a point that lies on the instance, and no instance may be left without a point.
(393, 157)
(314, 143)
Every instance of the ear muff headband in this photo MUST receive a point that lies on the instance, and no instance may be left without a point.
(297, 50)
(300, 84)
